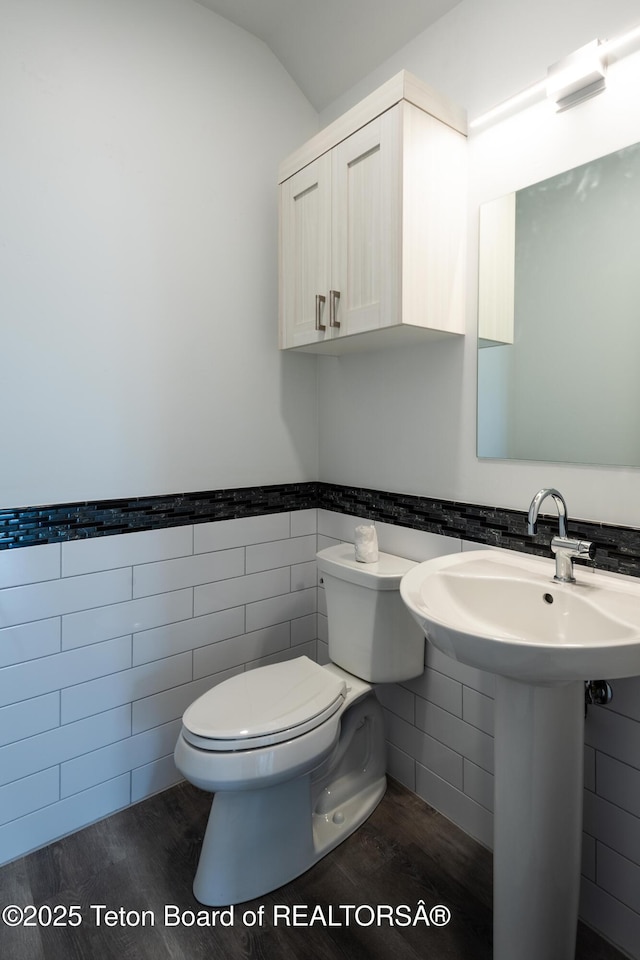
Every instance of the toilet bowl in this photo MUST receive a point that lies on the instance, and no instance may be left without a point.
(294, 752)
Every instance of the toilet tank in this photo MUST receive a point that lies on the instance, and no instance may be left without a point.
(371, 633)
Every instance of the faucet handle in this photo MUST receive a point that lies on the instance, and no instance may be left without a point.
(582, 549)
(566, 551)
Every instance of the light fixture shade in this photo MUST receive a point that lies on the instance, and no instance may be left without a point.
(577, 77)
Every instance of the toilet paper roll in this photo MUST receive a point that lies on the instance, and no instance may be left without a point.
(366, 542)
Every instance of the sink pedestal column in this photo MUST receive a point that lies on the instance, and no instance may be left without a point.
(539, 751)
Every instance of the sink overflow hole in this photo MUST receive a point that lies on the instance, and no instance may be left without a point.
(547, 597)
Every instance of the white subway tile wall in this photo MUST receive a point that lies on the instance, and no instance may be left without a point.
(104, 643)
(440, 745)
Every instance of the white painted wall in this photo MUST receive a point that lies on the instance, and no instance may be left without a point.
(406, 420)
(483, 52)
(138, 254)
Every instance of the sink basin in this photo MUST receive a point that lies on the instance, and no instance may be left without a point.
(503, 612)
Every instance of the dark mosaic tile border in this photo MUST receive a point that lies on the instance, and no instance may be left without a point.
(618, 548)
(26, 526)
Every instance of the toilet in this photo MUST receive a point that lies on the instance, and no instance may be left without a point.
(294, 752)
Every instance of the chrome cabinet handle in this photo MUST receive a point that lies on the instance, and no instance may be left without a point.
(320, 301)
(334, 296)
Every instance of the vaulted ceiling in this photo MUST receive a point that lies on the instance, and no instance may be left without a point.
(329, 45)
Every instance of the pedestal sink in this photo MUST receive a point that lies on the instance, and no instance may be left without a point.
(504, 613)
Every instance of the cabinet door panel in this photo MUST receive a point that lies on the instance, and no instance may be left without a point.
(365, 225)
(305, 218)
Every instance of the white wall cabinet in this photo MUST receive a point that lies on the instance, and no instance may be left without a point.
(372, 226)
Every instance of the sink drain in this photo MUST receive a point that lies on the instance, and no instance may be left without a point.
(547, 597)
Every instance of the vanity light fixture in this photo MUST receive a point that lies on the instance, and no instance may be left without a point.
(569, 81)
(622, 45)
(518, 101)
(577, 77)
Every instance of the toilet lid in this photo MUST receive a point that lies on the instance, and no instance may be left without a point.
(264, 706)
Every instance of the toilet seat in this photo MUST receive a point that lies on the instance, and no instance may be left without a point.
(263, 707)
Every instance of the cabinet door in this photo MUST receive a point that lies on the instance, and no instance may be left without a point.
(305, 238)
(366, 223)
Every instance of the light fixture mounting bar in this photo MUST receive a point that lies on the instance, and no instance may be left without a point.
(577, 77)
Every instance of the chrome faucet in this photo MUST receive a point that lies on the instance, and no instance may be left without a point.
(564, 548)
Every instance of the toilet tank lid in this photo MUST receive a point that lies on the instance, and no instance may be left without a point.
(385, 574)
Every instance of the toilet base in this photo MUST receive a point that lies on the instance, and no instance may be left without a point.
(257, 840)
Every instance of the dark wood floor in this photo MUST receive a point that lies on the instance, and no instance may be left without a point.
(145, 857)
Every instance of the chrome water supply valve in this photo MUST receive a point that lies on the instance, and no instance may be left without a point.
(597, 693)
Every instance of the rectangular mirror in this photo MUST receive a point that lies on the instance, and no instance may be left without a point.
(559, 317)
